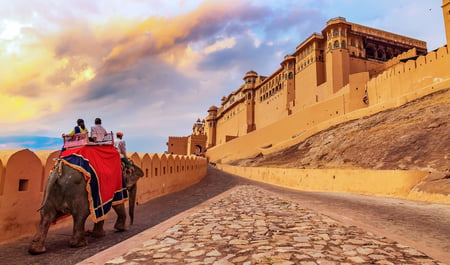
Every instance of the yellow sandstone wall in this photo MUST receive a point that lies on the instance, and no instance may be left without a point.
(404, 80)
(233, 124)
(385, 183)
(271, 109)
(23, 174)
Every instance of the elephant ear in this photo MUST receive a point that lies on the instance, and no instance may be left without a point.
(55, 173)
(132, 174)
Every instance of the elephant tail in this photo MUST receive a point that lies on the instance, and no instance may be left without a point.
(132, 190)
(55, 173)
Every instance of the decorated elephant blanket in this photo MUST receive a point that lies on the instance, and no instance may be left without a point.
(101, 168)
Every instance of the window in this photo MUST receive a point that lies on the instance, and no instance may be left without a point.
(336, 44)
(23, 184)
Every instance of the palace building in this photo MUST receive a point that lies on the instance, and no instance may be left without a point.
(326, 76)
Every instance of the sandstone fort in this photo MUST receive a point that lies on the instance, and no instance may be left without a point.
(344, 72)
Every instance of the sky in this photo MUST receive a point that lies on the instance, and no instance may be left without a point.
(150, 68)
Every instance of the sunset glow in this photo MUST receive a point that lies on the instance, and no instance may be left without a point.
(151, 68)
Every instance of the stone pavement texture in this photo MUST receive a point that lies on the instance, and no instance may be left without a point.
(248, 225)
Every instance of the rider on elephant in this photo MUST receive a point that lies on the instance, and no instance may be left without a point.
(121, 147)
(80, 128)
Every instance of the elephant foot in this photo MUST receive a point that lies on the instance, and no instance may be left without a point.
(76, 243)
(120, 227)
(120, 224)
(96, 233)
(36, 248)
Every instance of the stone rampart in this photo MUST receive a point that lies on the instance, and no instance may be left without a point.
(23, 174)
(385, 183)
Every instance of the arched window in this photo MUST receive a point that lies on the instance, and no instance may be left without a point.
(389, 54)
(381, 54)
(352, 42)
(335, 33)
(343, 45)
(336, 44)
(291, 75)
(370, 52)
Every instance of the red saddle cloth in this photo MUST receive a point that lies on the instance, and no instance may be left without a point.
(101, 167)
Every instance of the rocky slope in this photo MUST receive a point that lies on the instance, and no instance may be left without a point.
(413, 136)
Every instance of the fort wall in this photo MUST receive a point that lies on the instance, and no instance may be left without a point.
(233, 123)
(23, 174)
(386, 183)
(424, 72)
(274, 108)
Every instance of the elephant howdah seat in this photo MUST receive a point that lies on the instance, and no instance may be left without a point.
(82, 139)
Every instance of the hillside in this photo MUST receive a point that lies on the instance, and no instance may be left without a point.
(413, 136)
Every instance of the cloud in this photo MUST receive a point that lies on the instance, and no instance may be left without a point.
(151, 68)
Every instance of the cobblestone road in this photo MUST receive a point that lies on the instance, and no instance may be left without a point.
(249, 225)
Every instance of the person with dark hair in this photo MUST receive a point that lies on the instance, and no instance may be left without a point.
(97, 131)
(80, 128)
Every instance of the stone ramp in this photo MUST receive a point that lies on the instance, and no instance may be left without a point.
(250, 225)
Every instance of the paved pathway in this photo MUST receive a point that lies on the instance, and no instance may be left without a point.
(249, 225)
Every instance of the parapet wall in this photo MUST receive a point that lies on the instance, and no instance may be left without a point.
(414, 76)
(386, 183)
(23, 174)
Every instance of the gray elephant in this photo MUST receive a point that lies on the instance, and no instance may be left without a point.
(65, 193)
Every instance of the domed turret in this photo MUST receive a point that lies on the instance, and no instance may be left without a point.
(250, 73)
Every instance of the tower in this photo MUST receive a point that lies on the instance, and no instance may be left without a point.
(288, 65)
(249, 92)
(446, 13)
(337, 54)
(211, 124)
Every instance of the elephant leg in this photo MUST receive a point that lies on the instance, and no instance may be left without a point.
(78, 237)
(37, 244)
(98, 231)
(121, 217)
(132, 201)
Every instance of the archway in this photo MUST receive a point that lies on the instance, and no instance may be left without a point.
(198, 149)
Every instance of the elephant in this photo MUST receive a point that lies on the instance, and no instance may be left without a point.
(65, 193)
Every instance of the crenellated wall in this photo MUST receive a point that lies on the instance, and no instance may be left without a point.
(412, 77)
(23, 174)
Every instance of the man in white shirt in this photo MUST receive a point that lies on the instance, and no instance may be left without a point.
(97, 131)
(121, 147)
